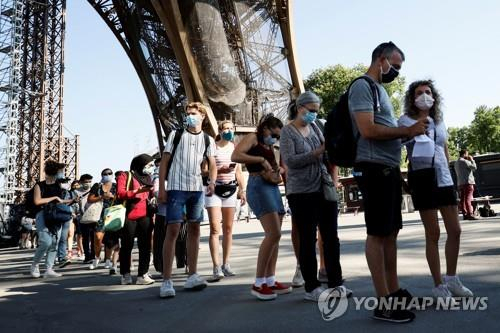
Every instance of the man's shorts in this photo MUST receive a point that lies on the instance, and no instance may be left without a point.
(192, 200)
(381, 188)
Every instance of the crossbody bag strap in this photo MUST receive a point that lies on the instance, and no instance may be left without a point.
(129, 179)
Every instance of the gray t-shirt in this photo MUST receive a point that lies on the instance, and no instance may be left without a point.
(304, 169)
(387, 152)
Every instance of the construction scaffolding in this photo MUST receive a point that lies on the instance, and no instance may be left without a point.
(31, 94)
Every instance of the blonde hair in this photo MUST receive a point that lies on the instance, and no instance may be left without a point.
(198, 106)
(224, 122)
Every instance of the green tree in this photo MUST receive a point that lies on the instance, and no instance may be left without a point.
(331, 82)
(485, 130)
(458, 138)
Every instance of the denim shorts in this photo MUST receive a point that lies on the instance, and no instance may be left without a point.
(263, 198)
(191, 200)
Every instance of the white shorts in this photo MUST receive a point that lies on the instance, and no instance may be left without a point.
(216, 201)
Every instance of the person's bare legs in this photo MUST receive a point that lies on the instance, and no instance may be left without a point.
(273, 258)
(79, 245)
(98, 236)
(71, 235)
(193, 246)
(271, 223)
(322, 266)
(169, 249)
(432, 234)
(374, 252)
(227, 232)
(453, 230)
(215, 217)
(391, 262)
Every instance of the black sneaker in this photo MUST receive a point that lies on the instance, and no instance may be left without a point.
(407, 299)
(64, 262)
(394, 316)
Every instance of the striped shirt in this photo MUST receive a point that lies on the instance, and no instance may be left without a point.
(185, 172)
(223, 159)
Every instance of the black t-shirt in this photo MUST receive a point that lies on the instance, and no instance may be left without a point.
(97, 191)
(51, 190)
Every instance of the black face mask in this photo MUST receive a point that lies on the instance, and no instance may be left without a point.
(390, 76)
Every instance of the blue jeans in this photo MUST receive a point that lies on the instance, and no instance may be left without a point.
(62, 243)
(177, 201)
(47, 242)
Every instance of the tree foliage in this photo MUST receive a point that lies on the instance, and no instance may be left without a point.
(482, 136)
(331, 82)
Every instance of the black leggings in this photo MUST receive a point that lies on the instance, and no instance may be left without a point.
(142, 229)
(311, 210)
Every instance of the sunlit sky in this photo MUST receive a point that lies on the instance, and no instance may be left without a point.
(456, 43)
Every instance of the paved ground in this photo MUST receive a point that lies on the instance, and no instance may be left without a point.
(85, 300)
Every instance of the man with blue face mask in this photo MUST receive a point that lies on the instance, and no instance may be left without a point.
(180, 167)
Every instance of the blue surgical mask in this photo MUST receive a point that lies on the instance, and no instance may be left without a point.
(193, 120)
(228, 135)
(60, 175)
(309, 117)
(269, 140)
(107, 179)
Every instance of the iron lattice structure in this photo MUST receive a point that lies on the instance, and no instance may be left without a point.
(235, 56)
(32, 37)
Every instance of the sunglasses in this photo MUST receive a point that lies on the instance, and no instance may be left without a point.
(275, 136)
(107, 174)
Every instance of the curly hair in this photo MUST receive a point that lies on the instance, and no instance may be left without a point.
(409, 103)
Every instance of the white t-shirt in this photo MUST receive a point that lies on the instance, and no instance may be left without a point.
(440, 162)
(185, 170)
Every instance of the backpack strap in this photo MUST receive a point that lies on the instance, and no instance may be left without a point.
(175, 144)
(374, 89)
(206, 137)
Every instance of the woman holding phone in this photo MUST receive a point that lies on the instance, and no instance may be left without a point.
(136, 187)
(221, 206)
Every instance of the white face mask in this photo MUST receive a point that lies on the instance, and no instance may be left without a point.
(424, 102)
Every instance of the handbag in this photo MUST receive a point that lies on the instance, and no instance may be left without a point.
(55, 214)
(272, 176)
(115, 215)
(327, 183)
(329, 190)
(226, 190)
(92, 214)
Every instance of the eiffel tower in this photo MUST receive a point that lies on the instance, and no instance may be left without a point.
(237, 57)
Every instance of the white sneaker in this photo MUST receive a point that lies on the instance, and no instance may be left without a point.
(298, 280)
(167, 289)
(195, 282)
(217, 275)
(456, 287)
(226, 269)
(442, 292)
(126, 279)
(107, 264)
(314, 295)
(28, 245)
(35, 271)
(50, 273)
(94, 264)
(347, 292)
(144, 280)
(113, 270)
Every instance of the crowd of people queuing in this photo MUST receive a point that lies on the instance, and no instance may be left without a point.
(195, 171)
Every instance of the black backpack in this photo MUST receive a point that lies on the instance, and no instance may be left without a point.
(29, 201)
(340, 142)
